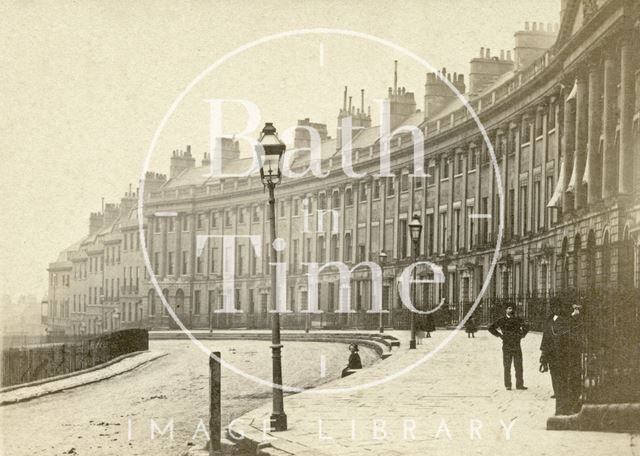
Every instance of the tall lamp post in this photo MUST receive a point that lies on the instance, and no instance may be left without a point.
(415, 230)
(271, 175)
(382, 258)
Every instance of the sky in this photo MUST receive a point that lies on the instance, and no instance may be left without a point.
(85, 85)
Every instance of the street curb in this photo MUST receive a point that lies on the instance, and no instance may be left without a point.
(6, 389)
(36, 395)
(599, 417)
(381, 345)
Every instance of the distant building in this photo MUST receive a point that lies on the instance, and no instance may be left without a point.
(22, 317)
(563, 117)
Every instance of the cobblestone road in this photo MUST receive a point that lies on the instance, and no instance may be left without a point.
(94, 419)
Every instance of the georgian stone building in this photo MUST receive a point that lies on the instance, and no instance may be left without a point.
(563, 117)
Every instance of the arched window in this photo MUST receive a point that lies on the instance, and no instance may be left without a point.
(564, 265)
(591, 260)
(152, 301)
(625, 274)
(606, 260)
(577, 245)
(179, 300)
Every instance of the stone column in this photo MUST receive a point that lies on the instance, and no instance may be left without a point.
(411, 210)
(396, 216)
(193, 218)
(265, 236)
(288, 251)
(505, 187)
(627, 92)
(163, 248)
(492, 184)
(452, 178)
(423, 212)
(436, 207)
(529, 217)
(177, 255)
(341, 222)
(383, 213)
(369, 184)
(636, 123)
(542, 211)
(594, 186)
(463, 198)
(582, 102)
(568, 141)
(610, 155)
(354, 224)
(477, 199)
(516, 175)
(149, 239)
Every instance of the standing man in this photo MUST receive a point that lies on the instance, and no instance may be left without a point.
(561, 349)
(511, 329)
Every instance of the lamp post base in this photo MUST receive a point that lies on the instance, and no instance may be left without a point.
(381, 329)
(412, 345)
(278, 422)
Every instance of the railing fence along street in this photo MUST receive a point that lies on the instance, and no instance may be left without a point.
(38, 358)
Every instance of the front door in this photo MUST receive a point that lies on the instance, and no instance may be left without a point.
(179, 310)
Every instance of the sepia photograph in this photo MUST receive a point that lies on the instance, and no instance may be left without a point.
(320, 228)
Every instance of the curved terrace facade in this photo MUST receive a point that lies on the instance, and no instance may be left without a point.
(563, 117)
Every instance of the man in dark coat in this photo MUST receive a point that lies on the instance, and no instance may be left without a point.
(561, 349)
(511, 329)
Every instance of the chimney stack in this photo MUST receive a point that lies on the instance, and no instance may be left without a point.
(344, 100)
(395, 76)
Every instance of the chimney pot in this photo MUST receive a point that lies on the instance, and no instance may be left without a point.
(526, 26)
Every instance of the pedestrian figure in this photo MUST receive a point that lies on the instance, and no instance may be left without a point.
(428, 324)
(354, 360)
(546, 358)
(511, 330)
(471, 328)
(561, 349)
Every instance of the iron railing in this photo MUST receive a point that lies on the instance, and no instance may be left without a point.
(44, 358)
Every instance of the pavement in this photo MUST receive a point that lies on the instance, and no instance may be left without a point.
(98, 373)
(453, 403)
